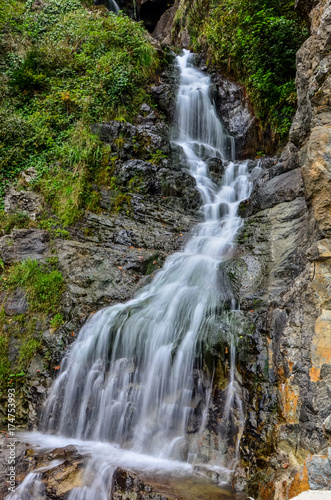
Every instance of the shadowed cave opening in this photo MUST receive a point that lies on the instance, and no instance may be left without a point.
(149, 11)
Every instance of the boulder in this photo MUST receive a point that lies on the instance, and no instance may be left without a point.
(16, 303)
(24, 244)
(28, 202)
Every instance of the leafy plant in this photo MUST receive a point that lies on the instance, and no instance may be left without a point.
(8, 221)
(157, 157)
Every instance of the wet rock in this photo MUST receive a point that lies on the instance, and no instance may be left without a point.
(164, 92)
(62, 453)
(216, 168)
(139, 175)
(233, 107)
(20, 464)
(283, 188)
(195, 418)
(16, 303)
(36, 366)
(24, 244)
(60, 480)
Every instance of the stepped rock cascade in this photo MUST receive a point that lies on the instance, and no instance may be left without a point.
(128, 378)
(131, 376)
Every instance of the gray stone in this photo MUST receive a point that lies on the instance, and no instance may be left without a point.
(16, 303)
(289, 160)
(283, 188)
(319, 473)
(36, 366)
(327, 427)
(24, 244)
(131, 141)
(28, 202)
(309, 57)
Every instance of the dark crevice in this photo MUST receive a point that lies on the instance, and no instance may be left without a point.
(151, 11)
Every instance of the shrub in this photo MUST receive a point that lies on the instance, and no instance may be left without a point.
(43, 285)
(66, 68)
(256, 41)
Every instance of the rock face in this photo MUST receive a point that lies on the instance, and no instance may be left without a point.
(23, 244)
(281, 271)
(26, 202)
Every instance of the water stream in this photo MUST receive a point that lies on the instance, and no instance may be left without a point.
(133, 376)
(113, 6)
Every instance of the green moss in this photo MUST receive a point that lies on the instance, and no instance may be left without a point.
(27, 351)
(57, 321)
(136, 182)
(153, 263)
(121, 202)
(157, 157)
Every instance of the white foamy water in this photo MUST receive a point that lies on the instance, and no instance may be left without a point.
(129, 379)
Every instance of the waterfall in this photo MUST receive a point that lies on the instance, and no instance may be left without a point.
(130, 378)
(113, 6)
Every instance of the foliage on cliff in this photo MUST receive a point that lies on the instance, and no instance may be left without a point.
(65, 65)
(256, 42)
(41, 287)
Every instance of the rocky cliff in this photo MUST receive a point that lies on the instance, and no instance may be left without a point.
(280, 271)
(284, 249)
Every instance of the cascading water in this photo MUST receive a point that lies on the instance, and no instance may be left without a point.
(113, 6)
(130, 377)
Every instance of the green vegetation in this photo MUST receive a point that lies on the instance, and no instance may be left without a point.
(255, 41)
(157, 157)
(57, 321)
(63, 68)
(13, 220)
(43, 286)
